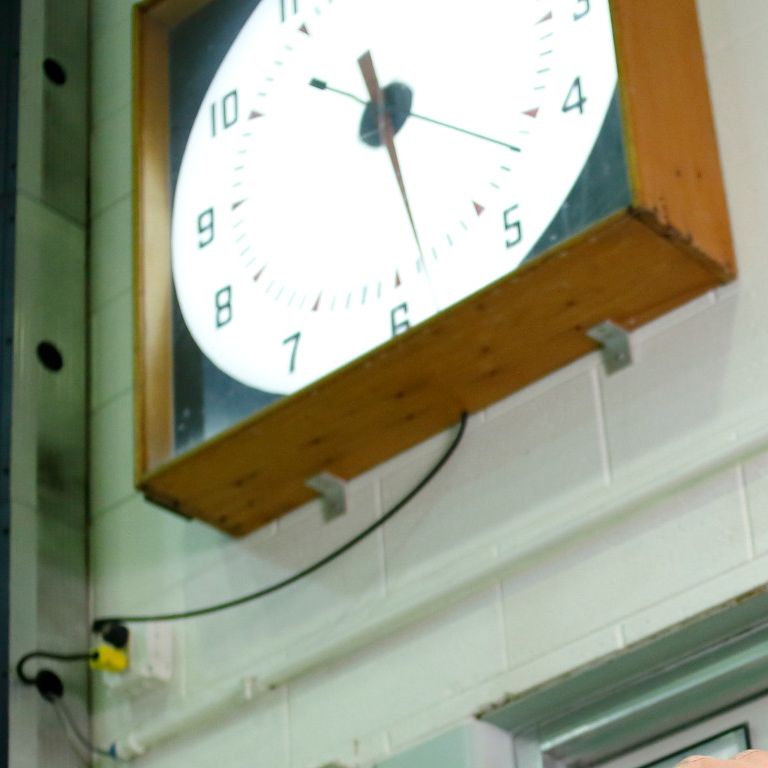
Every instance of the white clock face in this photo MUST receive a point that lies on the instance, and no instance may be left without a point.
(298, 245)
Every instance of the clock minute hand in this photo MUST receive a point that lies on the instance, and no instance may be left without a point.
(387, 134)
(323, 86)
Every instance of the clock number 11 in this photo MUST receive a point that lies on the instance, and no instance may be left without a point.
(283, 10)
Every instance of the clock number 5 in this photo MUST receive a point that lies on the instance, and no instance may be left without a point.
(584, 5)
(205, 228)
(514, 226)
(292, 341)
(575, 98)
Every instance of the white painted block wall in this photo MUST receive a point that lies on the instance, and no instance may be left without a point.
(579, 516)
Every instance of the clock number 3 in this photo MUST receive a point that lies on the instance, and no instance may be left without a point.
(514, 226)
(283, 9)
(293, 342)
(584, 5)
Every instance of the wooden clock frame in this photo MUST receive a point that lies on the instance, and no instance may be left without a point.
(672, 244)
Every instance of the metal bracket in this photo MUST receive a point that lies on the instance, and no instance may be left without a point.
(334, 492)
(614, 343)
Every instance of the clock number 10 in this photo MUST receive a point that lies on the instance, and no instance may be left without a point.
(224, 113)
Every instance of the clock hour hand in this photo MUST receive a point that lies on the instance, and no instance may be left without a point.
(402, 114)
(387, 134)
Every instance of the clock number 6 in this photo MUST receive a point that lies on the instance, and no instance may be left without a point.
(294, 340)
(513, 225)
(575, 98)
(581, 14)
(205, 228)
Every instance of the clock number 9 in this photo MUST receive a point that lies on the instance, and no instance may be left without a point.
(514, 226)
(205, 228)
(229, 112)
(294, 340)
(575, 98)
(581, 14)
(223, 306)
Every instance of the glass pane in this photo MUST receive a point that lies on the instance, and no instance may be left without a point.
(722, 746)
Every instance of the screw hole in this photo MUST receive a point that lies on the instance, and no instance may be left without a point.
(54, 72)
(49, 355)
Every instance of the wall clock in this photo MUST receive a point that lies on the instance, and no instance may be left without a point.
(357, 218)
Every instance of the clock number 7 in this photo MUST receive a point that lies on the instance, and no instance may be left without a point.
(581, 14)
(283, 13)
(294, 340)
(514, 226)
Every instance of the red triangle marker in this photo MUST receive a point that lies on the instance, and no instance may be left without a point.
(316, 305)
(303, 28)
(478, 208)
(531, 112)
(236, 205)
(259, 273)
(254, 114)
(548, 17)
(398, 282)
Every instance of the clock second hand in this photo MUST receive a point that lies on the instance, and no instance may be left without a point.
(387, 135)
(323, 86)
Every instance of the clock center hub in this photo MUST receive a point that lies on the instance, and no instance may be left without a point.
(398, 98)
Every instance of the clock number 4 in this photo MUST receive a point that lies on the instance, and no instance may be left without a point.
(293, 343)
(584, 9)
(575, 98)
(514, 226)
(205, 228)
(224, 113)
(223, 306)
(294, 7)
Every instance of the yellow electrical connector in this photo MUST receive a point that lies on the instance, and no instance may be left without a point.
(107, 658)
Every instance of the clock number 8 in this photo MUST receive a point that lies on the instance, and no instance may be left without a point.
(514, 226)
(205, 228)
(223, 306)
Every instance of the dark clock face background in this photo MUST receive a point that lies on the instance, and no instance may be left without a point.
(208, 401)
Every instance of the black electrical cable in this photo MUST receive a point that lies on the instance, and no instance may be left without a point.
(49, 655)
(98, 624)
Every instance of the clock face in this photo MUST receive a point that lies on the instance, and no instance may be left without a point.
(356, 166)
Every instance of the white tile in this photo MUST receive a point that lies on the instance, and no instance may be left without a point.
(642, 560)
(276, 624)
(112, 453)
(523, 456)
(696, 600)
(674, 388)
(137, 558)
(111, 349)
(111, 256)
(111, 160)
(111, 67)
(756, 481)
(394, 677)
